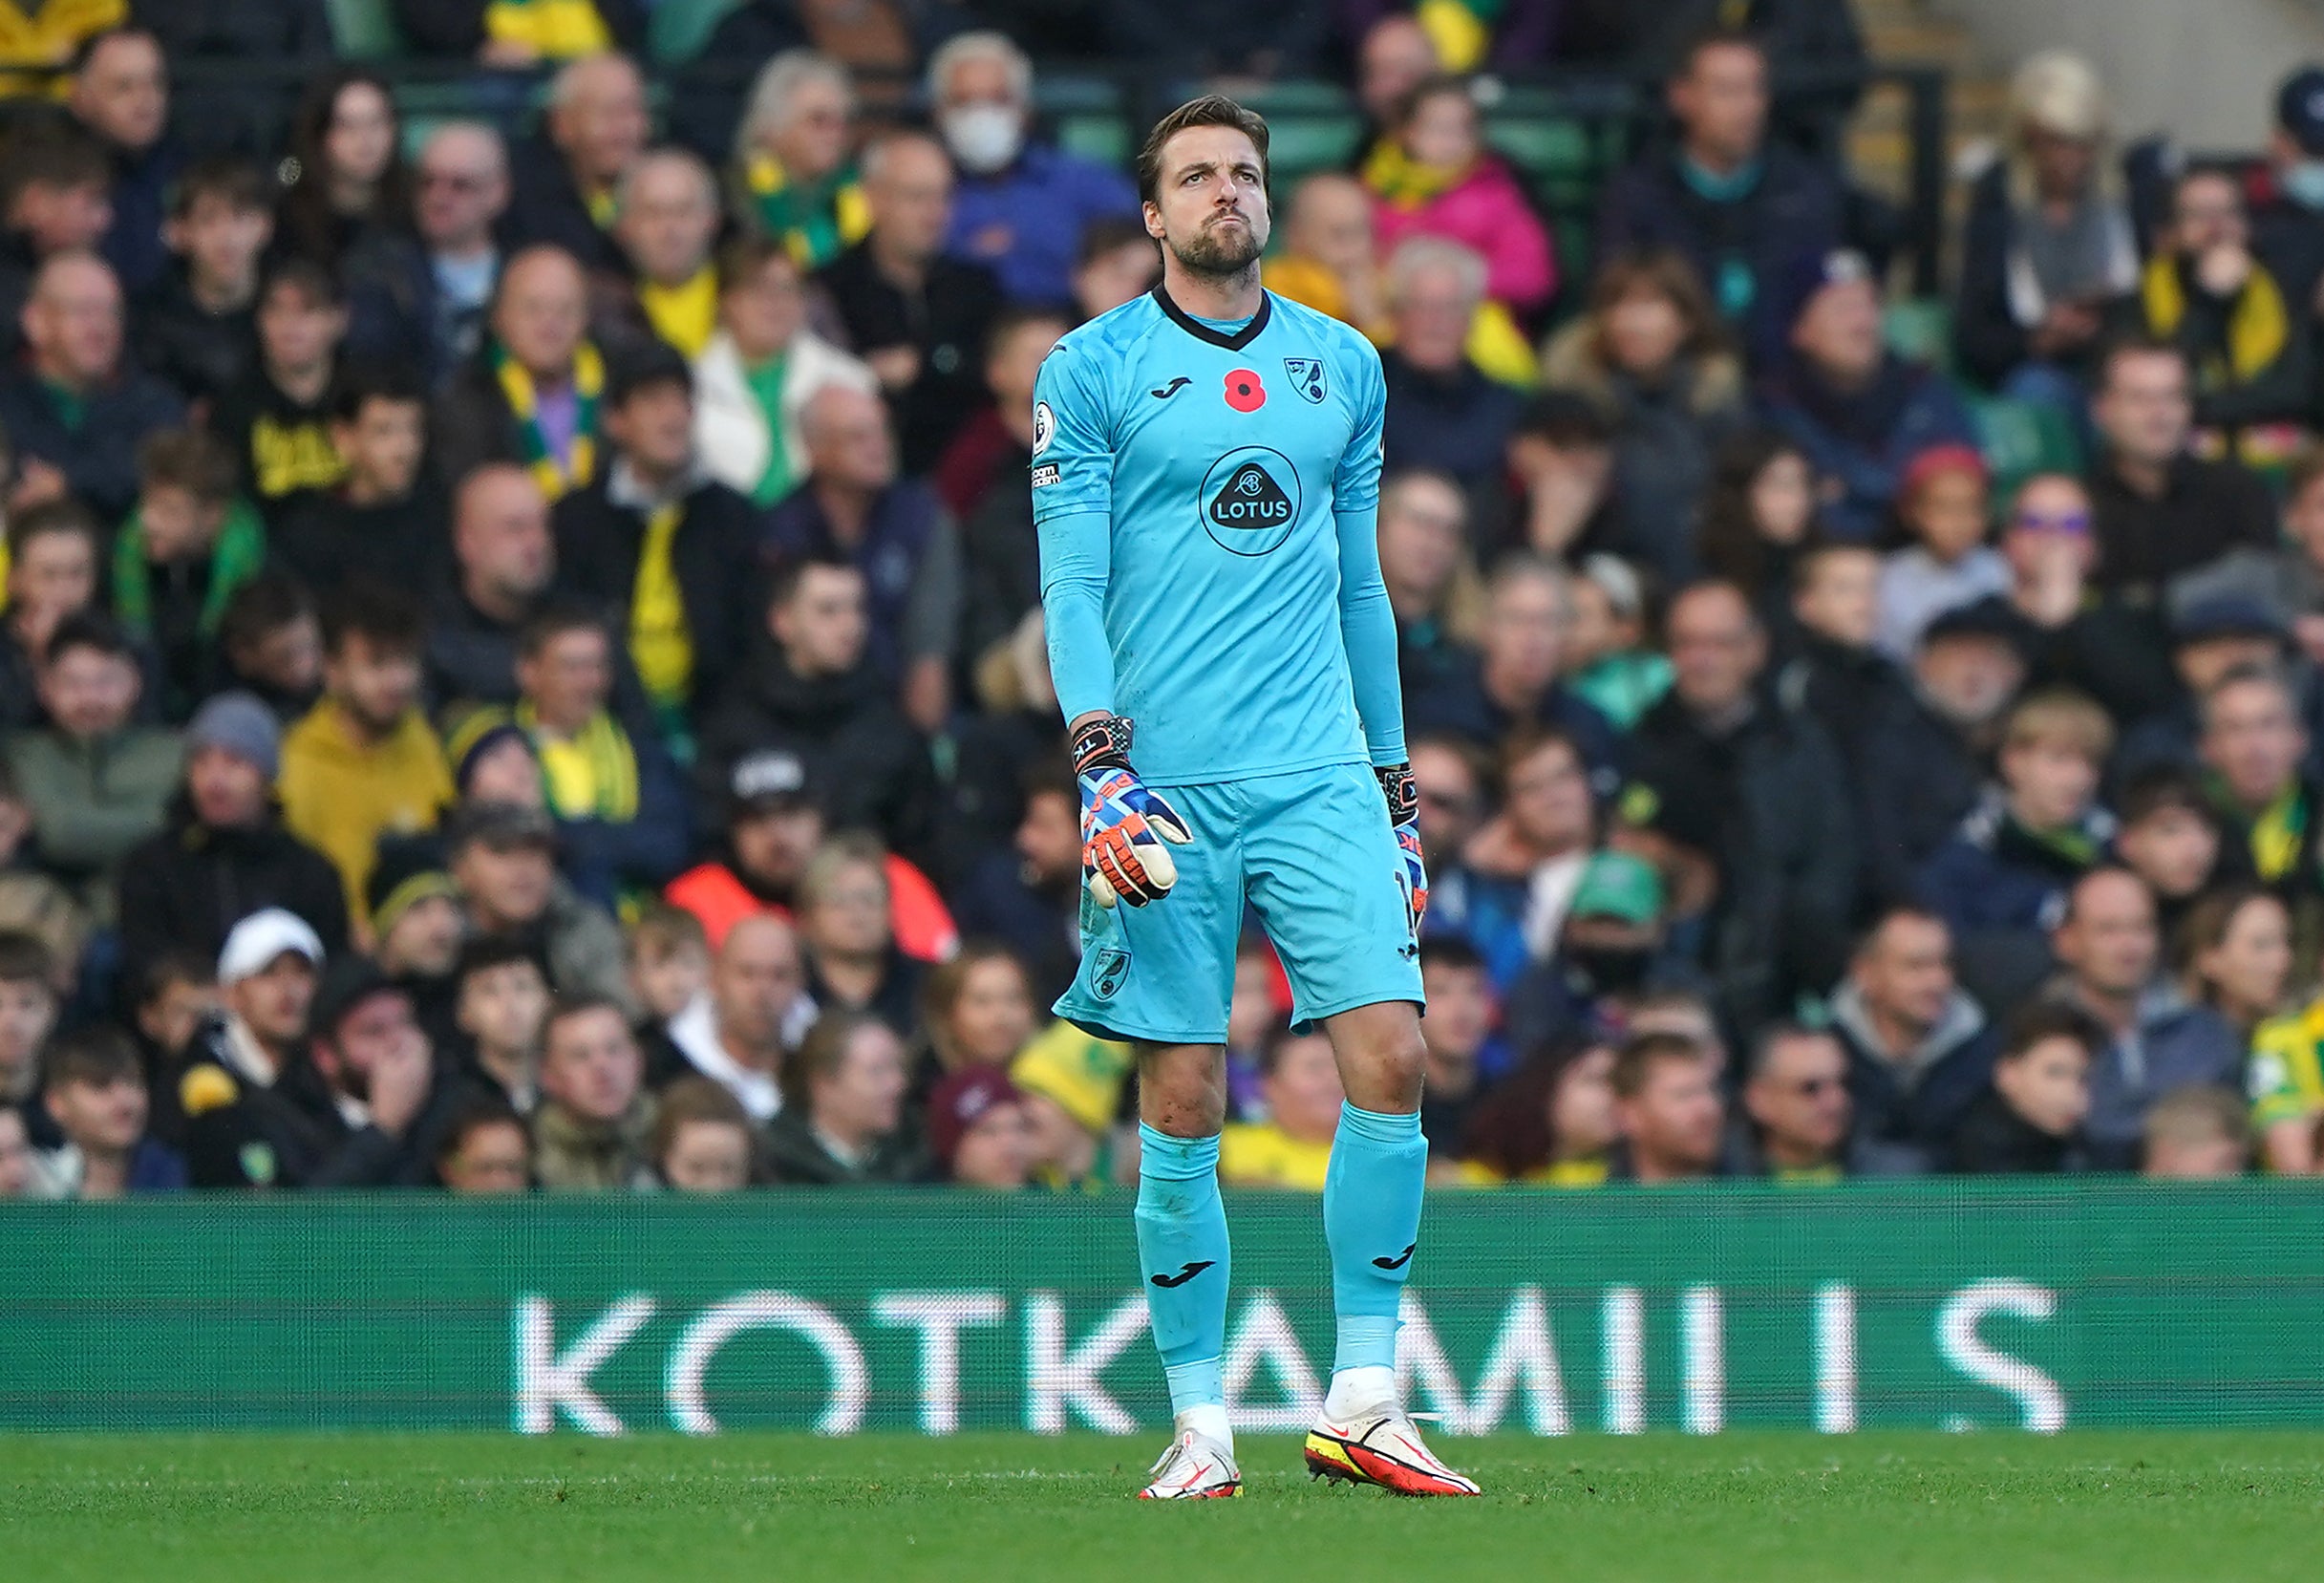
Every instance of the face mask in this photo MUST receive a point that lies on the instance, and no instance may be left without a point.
(983, 137)
(2304, 184)
(1611, 969)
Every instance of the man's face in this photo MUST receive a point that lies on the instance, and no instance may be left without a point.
(380, 1027)
(1549, 799)
(668, 221)
(502, 538)
(61, 218)
(850, 918)
(73, 322)
(2144, 411)
(507, 889)
(297, 331)
(1302, 1092)
(1524, 633)
(1800, 1097)
(1397, 57)
(603, 125)
(822, 627)
(1209, 206)
(1330, 222)
(655, 428)
(500, 1007)
(911, 197)
(171, 1018)
(591, 1065)
(2207, 212)
(228, 792)
(2108, 937)
(543, 312)
(376, 682)
(1969, 680)
(1721, 101)
(424, 940)
(848, 442)
(385, 443)
(122, 94)
(491, 1159)
(274, 1000)
(669, 982)
(462, 181)
(1839, 332)
(1674, 1120)
(106, 1118)
(2048, 1085)
(865, 1098)
(764, 310)
(708, 1156)
(88, 693)
(1048, 837)
(1460, 1013)
(1906, 972)
(1420, 526)
(1450, 806)
(812, 140)
(1716, 650)
(1432, 310)
(221, 239)
(755, 980)
(567, 679)
(771, 844)
(287, 658)
(2254, 740)
(28, 1011)
(1842, 600)
(54, 576)
(2173, 849)
(2050, 780)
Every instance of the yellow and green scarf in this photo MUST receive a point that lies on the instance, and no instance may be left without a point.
(814, 220)
(2258, 327)
(604, 747)
(557, 478)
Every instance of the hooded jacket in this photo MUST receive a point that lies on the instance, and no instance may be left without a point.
(189, 885)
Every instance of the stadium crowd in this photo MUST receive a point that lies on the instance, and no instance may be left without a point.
(522, 662)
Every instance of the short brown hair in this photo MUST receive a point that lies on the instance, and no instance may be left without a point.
(696, 1099)
(1210, 110)
(98, 1056)
(663, 930)
(2061, 712)
(2043, 1021)
(1635, 1063)
(821, 1055)
(2199, 1113)
(190, 459)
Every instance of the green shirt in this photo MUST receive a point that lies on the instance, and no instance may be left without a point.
(766, 389)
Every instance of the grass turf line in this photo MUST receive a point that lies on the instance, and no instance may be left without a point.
(1736, 1508)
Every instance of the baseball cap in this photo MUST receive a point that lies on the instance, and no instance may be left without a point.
(254, 944)
(960, 1102)
(243, 726)
(1084, 1074)
(1619, 885)
(2226, 616)
(769, 779)
(2300, 109)
(499, 825)
(1989, 617)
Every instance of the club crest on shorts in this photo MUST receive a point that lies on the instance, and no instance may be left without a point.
(1111, 966)
(1306, 377)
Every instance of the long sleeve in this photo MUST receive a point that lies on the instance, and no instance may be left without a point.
(1367, 622)
(1072, 513)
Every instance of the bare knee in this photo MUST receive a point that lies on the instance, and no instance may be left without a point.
(1181, 1088)
(1382, 1059)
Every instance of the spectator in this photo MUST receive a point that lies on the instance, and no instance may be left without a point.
(703, 1140)
(854, 508)
(95, 1089)
(1924, 764)
(564, 188)
(1431, 175)
(1795, 1127)
(1072, 1087)
(2170, 837)
(1292, 1148)
(1027, 894)
(505, 561)
(2286, 1084)
(2196, 1135)
(180, 557)
(377, 1077)
(120, 96)
(843, 1121)
(1758, 517)
(665, 224)
(223, 852)
(2002, 879)
(197, 327)
(364, 762)
(2153, 1042)
(755, 379)
(1329, 261)
(18, 1162)
(794, 183)
(415, 912)
(1747, 213)
(1443, 411)
(95, 785)
(513, 38)
(378, 522)
(1668, 1110)
(51, 575)
(738, 1035)
(531, 394)
(2285, 226)
(503, 857)
(464, 194)
(1550, 1122)
(978, 1132)
(1726, 777)
(249, 1122)
(1919, 1049)
(978, 482)
(2204, 293)
(2158, 510)
(619, 806)
(852, 960)
(1393, 55)
(502, 1004)
(1432, 580)
(54, 199)
(1836, 675)
(1463, 1055)
(271, 640)
(1117, 263)
(2050, 240)
(2031, 1119)
(1651, 352)
(1514, 681)
(484, 1150)
(1525, 864)
(276, 422)
(2232, 957)
(171, 1005)
(348, 195)
(1614, 671)
(76, 411)
(595, 1118)
(1941, 501)
(1559, 499)
(918, 317)
(1861, 414)
(666, 951)
(2254, 750)
(27, 1013)
(1022, 205)
(977, 1009)
(2107, 643)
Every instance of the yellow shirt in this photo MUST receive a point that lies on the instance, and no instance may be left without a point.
(340, 794)
(661, 646)
(572, 780)
(558, 30)
(686, 315)
(46, 33)
(2285, 1077)
(1267, 1157)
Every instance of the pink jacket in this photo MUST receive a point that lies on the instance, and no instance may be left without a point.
(1485, 212)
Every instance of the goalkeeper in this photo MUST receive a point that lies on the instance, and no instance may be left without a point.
(1206, 467)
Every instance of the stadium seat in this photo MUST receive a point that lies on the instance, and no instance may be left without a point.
(1085, 113)
(680, 27)
(366, 29)
(1920, 331)
(2020, 439)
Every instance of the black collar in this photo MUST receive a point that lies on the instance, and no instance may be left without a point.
(1202, 332)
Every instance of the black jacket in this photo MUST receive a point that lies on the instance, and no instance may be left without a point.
(715, 555)
(545, 206)
(1000, 560)
(282, 444)
(189, 885)
(796, 1156)
(946, 321)
(191, 349)
(99, 456)
(470, 658)
(1992, 1140)
(1918, 777)
(327, 541)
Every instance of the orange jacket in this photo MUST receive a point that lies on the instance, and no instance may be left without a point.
(922, 924)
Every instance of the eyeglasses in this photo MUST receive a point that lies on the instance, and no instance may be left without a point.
(2052, 522)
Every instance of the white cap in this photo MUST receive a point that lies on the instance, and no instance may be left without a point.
(257, 940)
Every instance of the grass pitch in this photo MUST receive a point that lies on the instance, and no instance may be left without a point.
(1793, 1507)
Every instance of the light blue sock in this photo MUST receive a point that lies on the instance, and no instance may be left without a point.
(1371, 1223)
(1182, 1248)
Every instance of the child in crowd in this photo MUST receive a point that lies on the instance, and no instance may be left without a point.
(668, 957)
(379, 524)
(702, 1138)
(177, 560)
(28, 1011)
(2199, 1134)
(503, 1001)
(95, 1092)
(2031, 1119)
(1943, 506)
(1610, 665)
(1758, 517)
(200, 331)
(277, 420)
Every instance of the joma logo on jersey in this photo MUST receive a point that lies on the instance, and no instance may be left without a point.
(1250, 501)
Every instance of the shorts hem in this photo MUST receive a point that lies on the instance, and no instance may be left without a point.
(1122, 1033)
(1307, 1021)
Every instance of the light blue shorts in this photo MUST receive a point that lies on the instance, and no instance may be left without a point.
(1312, 851)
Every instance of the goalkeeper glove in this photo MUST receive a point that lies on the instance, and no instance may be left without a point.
(1403, 795)
(1123, 825)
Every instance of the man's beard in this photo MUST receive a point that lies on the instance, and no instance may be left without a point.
(1219, 255)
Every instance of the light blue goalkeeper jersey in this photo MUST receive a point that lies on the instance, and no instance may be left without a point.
(1205, 500)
